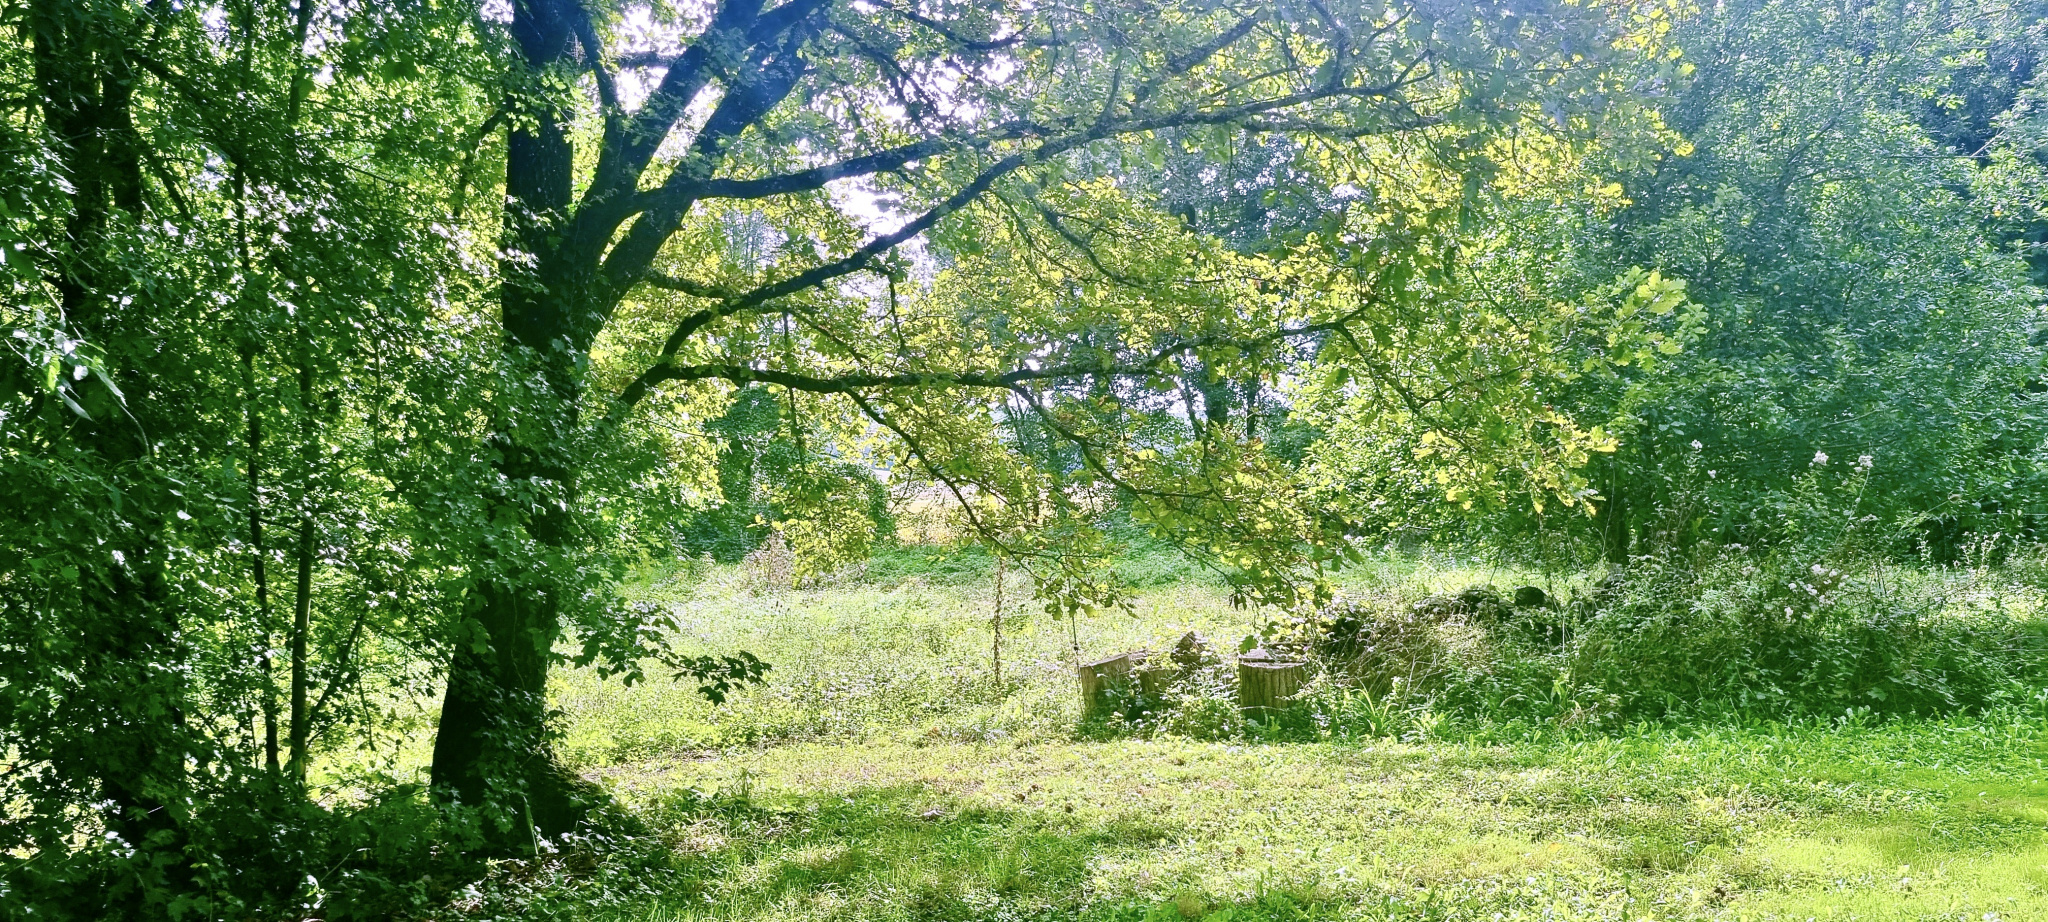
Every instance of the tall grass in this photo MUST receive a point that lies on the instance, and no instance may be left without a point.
(901, 649)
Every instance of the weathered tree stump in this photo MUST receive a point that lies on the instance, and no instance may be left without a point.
(1264, 683)
(1192, 654)
(1126, 680)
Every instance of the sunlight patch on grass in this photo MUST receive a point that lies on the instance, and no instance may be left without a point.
(1598, 830)
(882, 773)
(1897, 870)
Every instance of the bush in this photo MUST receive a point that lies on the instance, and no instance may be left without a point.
(1775, 634)
(1734, 633)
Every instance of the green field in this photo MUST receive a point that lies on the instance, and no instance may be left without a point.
(883, 773)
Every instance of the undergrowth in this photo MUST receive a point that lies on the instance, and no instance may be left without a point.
(1668, 742)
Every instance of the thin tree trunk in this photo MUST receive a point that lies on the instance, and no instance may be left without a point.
(1251, 408)
(258, 565)
(302, 614)
(1613, 518)
(996, 646)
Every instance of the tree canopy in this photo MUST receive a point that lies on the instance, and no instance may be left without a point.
(355, 349)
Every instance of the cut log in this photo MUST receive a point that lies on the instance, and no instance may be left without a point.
(1264, 684)
(1155, 676)
(1126, 681)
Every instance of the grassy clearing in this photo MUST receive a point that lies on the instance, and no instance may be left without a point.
(1932, 822)
(904, 651)
(882, 773)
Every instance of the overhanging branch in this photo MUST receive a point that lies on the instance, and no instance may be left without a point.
(1152, 365)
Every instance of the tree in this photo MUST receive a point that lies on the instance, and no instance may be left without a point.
(219, 288)
(943, 109)
(1853, 283)
(1858, 299)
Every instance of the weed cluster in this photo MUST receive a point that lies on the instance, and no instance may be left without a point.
(1743, 636)
(1724, 634)
(1775, 634)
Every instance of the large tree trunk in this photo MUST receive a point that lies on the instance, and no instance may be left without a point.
(491, 752)
(125, 730)
(492, 748)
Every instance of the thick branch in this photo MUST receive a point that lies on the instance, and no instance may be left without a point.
(1151, 365)
(593, 58)
(862, 257)
(771, 75)
(736, 31)
(692, 288)
(816, 178)
(899, 157)
(818, 275)
(968, 44)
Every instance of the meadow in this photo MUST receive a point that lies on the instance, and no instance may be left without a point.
(884, 772)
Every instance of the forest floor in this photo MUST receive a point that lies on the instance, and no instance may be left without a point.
(883, 773)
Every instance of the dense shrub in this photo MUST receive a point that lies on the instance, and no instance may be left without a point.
(1735, 634)
(1775, 634)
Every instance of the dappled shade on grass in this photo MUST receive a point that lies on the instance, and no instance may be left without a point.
(1899, 822)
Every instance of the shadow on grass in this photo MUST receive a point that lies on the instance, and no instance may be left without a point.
(1903, 822)
(904, 853)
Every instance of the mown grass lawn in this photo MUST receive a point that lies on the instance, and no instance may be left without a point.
(881, 775)
(1932, 821)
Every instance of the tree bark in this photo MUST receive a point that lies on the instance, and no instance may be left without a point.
(258, 554)
(302, 608)
(995, 650)
(128, 735)
(1128, 680)
(1264, 684)
(491, 752)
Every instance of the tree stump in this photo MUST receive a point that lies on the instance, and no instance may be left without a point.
(1192, 654)
(1264, 684)
(1125, 680)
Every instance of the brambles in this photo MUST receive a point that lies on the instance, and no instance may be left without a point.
(1743, 636)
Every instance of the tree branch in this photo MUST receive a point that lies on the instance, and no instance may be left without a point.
(770, 77)
(815, 178)
(593, 58)
(968, 44)
(737, 30)
(1149, 366)
(924, 460)
(686, 286)
(860, 258)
